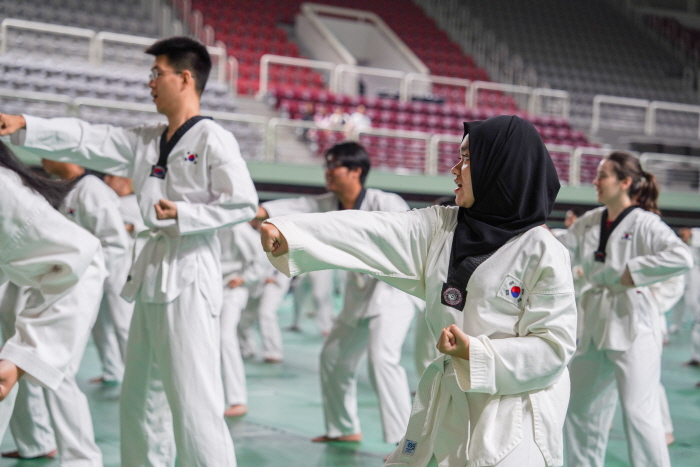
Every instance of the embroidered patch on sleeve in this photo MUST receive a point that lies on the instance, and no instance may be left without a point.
(512, 290)
(409, 447)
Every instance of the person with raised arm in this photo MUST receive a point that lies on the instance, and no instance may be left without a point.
(497, 395)
(189, 179)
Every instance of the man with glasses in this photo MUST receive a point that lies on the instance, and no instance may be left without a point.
(375, 317)
(190, 180)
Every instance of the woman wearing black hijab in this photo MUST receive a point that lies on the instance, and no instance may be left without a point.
(498, 394)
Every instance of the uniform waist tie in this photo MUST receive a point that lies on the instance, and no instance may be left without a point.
(156, 235)
(438, 393)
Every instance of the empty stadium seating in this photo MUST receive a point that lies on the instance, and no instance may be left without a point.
(587, 48)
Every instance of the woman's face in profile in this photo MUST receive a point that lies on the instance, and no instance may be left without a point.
(464, 194)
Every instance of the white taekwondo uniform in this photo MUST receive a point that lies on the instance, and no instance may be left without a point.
(30, 423)
(129, 209)
(314, 292)
(174, 338)
(40, 249)
(667, 294)
(520, 315)
(621, 340)
(68, 414)
(263, 303)
(373, 322)
(692, 294)
(240, 258)
(95, 207)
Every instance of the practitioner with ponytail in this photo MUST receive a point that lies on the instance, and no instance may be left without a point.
(623, 247)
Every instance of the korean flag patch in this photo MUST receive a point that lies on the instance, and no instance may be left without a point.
(512, 291)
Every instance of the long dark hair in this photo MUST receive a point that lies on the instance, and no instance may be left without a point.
(644, 189)
(54, 191)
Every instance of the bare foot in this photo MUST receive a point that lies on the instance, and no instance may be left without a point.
(272, 360)
(105, 382)
(15, 455)
(356, 438)
(670, 439)
(695, 363)
(237, 410)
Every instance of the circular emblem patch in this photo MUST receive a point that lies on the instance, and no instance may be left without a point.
(452, 296)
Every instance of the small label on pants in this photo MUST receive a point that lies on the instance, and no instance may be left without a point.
(409, 447)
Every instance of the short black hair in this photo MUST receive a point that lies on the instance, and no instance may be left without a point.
(184, 53)
(351, 155)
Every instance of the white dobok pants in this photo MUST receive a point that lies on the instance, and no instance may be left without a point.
(232, 370)
(594, 374)
(172, 384)
(263, 310)
(380, 338)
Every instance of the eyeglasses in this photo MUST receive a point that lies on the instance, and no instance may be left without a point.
(156, 73)
(332, 164)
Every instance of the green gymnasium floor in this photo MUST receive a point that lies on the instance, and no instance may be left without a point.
(285, 411)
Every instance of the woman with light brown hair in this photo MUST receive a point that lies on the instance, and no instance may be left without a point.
(622, 248)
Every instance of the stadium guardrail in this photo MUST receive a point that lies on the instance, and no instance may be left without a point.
(96, 42)
(677, 170)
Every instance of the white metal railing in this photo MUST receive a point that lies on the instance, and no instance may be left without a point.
(269, 59)
(337, 85)
(405, 93)
(268, 128)
(38, 97)
(97, 40)
(650, 108)
(434, 151)
(472, 95)
(271, 154)
(430, 162)
(102, 37)
(650, 126)
(69, 31)
(564, 149)
(533, 96)
(600, 100)
(540, 94)
(673, 171)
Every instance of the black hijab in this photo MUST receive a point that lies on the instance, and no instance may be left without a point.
(515, 185)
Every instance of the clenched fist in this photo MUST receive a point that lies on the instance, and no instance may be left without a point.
(453, 341)
(11, 123)
(272, 240)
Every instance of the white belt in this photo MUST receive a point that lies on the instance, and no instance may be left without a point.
(430, 405)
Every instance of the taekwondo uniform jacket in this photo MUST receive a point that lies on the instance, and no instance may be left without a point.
(520, 314)
(40, 249)
(95, 207)
(641, 242)
(242, 256)
(206, 177)
(364, 296)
